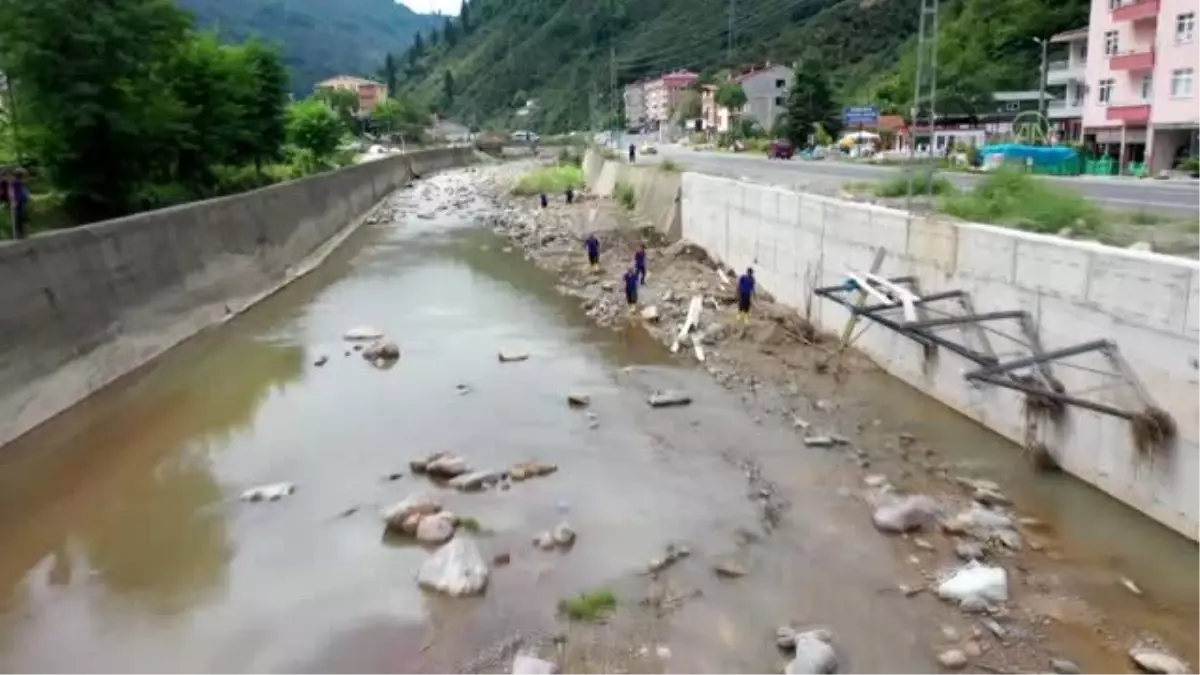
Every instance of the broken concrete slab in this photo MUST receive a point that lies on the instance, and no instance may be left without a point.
(669, 398)
(268, 493)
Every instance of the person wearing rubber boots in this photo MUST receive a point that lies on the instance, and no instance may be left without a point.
(745, 292)
(631, 289)
(592, 244)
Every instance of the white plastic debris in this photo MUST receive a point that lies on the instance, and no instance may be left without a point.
(455, 569)
(974, 583)
(268, 493)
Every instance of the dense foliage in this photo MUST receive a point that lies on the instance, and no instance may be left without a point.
(320, 38)
(566, 54)
(123, 106)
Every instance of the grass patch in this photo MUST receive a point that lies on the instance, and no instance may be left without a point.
(589, 606)
(1146, 218)
(549, 180)
(668, 165)
(898, 186)
(625, 196)
(1014, 198)
(470, 524)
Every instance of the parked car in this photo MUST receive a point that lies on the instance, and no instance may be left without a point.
(525, 137)
(781, 150)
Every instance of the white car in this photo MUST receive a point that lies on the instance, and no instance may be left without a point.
(525, 136)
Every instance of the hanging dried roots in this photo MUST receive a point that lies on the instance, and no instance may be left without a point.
(1042, 459)
(1041, 404)
(1153, 429)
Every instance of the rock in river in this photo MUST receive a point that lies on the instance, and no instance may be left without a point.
(1155, 661)
(577, 400)
(447, 466)
(952, 659)
(563, 534)
(663, 399)
(509, 356)
(531, 469)
(476, 480)
(363, 333)
(268, 493)
(455, 569)
(419, 504)
(382, 349)
(524, 664)
(436, 529)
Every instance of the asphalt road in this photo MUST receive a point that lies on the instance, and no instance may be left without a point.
(1180, 198)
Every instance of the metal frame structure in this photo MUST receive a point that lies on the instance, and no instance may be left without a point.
(990, 369)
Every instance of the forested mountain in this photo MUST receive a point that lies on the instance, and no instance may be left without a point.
(320, 38)
(568, 53)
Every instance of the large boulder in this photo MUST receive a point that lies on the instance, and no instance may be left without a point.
(1156, 661)
(455, 569)
(384, 350)
(814, 654)
(905, 513)
(524, 664)
(447, 466)
(531, 469)
(436, 529)
(475, 480)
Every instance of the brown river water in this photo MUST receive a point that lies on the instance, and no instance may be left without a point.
(126, 548)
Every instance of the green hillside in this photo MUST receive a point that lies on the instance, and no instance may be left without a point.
(565, 53)
(320, 38)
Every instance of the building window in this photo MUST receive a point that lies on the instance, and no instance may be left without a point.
(1104, 91)
(1012, 106)
(1147, 88)
(1111, 43)
(1114, 5)
(1181, 83)
(1185, 25)
(779, 101)
(780, 84)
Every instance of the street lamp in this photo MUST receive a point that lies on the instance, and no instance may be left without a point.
(1045, 44)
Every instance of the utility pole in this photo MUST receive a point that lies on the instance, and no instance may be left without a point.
(925, 88)
(1042, 76)
(612, 90)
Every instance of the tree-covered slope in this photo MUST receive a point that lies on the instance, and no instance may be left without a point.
(567, 53)
(320, 38)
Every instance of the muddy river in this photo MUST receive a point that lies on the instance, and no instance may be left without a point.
(126, 547)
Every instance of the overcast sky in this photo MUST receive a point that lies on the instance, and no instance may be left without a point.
(431, 6)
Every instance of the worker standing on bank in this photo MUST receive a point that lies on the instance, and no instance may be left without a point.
(631, 289)
(632, 153)
(745, 288)
(639, 263)
(592, 244)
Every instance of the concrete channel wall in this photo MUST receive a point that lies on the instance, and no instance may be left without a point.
(1076, 292)
(656, 191)
(81, 307)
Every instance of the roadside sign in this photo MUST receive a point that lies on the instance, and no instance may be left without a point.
(860, 116)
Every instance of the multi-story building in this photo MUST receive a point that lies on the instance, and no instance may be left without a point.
(635, 105)
(716, 117)
(766, 87)
(1141, 100)
(1066, 81)
(370, 93)
(663, 93)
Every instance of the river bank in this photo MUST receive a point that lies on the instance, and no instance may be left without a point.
(1075, 593)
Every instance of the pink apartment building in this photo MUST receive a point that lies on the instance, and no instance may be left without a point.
(1141, 94)
(663, 92)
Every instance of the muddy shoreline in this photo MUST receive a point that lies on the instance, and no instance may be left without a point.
(788, 376)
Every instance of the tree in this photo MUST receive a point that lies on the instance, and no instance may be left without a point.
(732, 97)
(434, 36)
(265, 105)
(450, 32)
(416, 49)
(389, 74)
(810, 103)
(343, 102)
(688, 106)
(388, 116)
(314, 127)
(447, 90)
(464, 17)
(212, 84)
(95, 94)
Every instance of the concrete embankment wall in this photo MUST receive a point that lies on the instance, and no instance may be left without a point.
(656, 192)
(1075, 292)
(81, 307)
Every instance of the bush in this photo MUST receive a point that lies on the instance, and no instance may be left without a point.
(570, 156)
(1190, 165)
(898, 186)
(625, 195)
(668, 165)
(1012, 197)
(549, 180)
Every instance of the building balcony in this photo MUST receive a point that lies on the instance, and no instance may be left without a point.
(1136, 10)
(1059, 110)
(1139, 60)
(1064, 72)
(1132, 113)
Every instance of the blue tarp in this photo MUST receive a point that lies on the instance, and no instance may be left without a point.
(1041, 155)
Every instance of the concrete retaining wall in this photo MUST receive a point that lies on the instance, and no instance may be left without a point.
(81, 307)
(1075, 292)
(657, 192)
